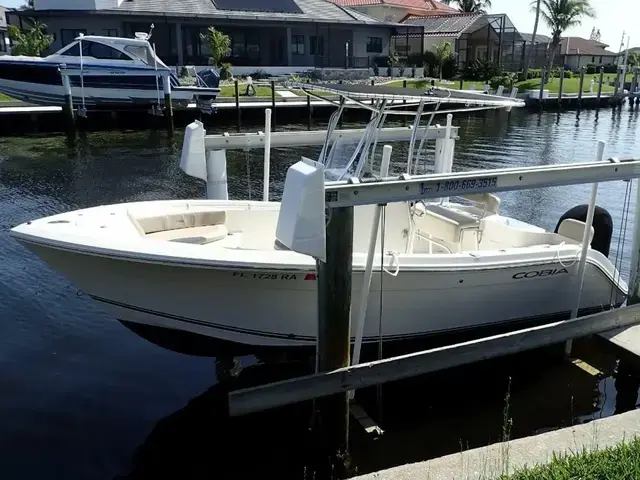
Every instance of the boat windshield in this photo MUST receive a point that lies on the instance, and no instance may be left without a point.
(145, 53)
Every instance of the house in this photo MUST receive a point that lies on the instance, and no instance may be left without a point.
(396, 10)
(472, 36)
(4, 37)
(275, 36)
(575, 53)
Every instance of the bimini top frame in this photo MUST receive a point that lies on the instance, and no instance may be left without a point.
(382, 101)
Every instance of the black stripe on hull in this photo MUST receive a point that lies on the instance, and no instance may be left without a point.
(49, 74)
(197, 344)
(51, 99)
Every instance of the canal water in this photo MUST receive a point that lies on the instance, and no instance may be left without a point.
(79, 393)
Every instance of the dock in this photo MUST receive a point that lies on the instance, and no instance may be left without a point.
(490, 462)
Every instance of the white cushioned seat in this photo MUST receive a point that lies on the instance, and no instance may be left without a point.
(198, 235)
(188, 227)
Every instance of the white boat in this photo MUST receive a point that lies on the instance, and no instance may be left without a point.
(103, 71)
(215, 268)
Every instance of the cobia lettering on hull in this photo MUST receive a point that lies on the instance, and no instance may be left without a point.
(540, 273)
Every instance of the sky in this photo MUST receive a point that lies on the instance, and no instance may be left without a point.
(612, 18)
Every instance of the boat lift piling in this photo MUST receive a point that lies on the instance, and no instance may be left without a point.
(586, 243)
(68, 104)
(267, 154)
(168, 104)
(331, 413)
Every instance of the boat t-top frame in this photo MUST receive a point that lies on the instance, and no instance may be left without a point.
(383, 100)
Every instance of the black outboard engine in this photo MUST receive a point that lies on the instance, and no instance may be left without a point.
(210, 77)
(602, 226)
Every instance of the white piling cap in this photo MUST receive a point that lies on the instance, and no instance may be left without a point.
(193, 160)
(301, 222)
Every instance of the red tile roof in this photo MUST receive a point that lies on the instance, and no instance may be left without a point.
(432, 6)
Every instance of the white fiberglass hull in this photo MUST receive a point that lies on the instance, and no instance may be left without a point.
(54, 95)
(278, 308)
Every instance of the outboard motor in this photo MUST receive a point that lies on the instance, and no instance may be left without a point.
(602, 226)
(210, 77)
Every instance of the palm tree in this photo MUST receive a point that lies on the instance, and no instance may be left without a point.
(559, 15)
(533, 39)
(472, 6)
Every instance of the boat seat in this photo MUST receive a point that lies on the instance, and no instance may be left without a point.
(574, 229)
(491, 201)
(443, 224)
(186, 227)
(197, 235)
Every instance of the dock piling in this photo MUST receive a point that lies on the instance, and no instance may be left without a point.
(331, 414)
(581, 86)
(238, 112)
(561, 87)
(543, 76)
(600, 84)
(168, 105)
(273, 105)
(68, 104)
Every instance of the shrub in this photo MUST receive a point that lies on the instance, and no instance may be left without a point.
(591, 68)
(225, 71)
(449, 68)
(506, 80)
(481, 70)
(376, 69)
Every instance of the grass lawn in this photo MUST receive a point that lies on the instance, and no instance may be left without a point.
(4, 98)
(571, 85)
(230, 91)
(621, 462)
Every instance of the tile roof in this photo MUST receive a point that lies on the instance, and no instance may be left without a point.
(415, 5)
(583, 46)
(443, 25)
(312, 11)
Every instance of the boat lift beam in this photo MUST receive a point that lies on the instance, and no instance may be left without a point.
(255, 399)
(407, 188)
(243, 141)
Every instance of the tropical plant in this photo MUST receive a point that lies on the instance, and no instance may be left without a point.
(442, 51)
(219, 45)
(560, 15)
(527, 61)
(633, 60)
(475, 6)
(31, 42)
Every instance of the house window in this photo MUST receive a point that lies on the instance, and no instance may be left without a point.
(110, 32)
(297, 44)
(593, 59)
(69, 35)
(316, 45)
(374, 45)
(3, 42)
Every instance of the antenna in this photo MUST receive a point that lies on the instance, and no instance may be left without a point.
(151, 31)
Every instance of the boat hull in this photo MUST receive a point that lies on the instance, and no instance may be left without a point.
(277, 308)
(115, 88)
